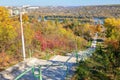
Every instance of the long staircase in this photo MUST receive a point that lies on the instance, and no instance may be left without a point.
(58, 68)
(55, 69)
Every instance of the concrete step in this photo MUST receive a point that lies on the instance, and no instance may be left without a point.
(50, 72)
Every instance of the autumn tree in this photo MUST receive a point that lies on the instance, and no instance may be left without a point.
(112, 25)
(25, 18)
(105, 60)
(7, 31)
(8, 36)
(4, 14)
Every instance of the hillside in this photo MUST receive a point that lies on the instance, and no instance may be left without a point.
(82, 11)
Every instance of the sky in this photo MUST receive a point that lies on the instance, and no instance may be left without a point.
(57, 2)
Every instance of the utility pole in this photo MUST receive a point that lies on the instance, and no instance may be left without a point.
(22, 35)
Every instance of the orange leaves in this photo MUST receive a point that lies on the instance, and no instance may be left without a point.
(98, 28)
(25, 18)
(4, 59)
(4, 16)
(113, 44)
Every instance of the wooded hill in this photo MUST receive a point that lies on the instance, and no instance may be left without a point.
(81, 11)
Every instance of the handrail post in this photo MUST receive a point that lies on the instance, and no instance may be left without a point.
(67, 70)
(30, 53)
(40, 73)
(76, 55)
(47, 56)
(33, 69)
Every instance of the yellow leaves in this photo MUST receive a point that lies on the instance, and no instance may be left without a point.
(115, 34)
(7, 34)
(51, 29)
(4, 14)
(66, 33)
(7, 30)
(5, 19)
(87, 25)
(81, 42)
(25, 18)
(112, 22)
(113, 27)
(28, 33)
(62, 30)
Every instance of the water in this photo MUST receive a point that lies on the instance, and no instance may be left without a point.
(98, 20)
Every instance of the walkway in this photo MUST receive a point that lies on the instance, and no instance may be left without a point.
(54, 69)
(49, 72)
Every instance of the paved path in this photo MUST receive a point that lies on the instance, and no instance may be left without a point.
(12, 72)
(48, 72)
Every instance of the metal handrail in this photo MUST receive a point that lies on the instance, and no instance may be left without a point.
(37, 75)
(33, 71)
(40, 71)
(22, 74)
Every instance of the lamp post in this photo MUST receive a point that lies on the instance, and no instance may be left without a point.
(22, 35)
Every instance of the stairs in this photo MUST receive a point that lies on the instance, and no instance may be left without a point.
(55, 68)
(48, 72)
